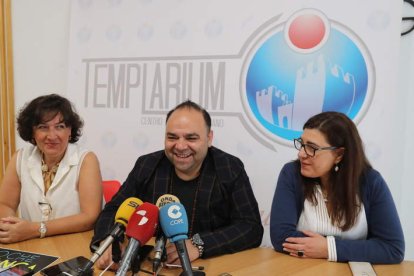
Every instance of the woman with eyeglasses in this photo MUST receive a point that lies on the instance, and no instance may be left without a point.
(51, 186)
(330, 203)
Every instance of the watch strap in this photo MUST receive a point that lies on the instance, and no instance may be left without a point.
(198, 242)
(42, 229)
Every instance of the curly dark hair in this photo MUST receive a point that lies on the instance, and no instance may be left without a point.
(43, 109)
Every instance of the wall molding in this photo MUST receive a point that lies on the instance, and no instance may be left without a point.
(7, 116)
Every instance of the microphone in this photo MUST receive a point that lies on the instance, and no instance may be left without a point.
(141, 227)
(159, 248)
(122, 216)
(174, 223)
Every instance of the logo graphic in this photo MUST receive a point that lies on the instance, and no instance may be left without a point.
(285, 72)
(143, 219)
(174, 212)
(305, 66)
(133, 204)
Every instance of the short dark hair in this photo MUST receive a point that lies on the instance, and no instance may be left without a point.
(45, 108)
(344, 190)
(192, 105)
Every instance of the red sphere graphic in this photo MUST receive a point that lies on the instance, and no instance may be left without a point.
(306, 31)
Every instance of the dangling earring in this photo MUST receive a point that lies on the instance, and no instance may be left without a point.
(336, 169)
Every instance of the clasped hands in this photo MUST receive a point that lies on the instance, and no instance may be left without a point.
(14, 229)
(313, 246)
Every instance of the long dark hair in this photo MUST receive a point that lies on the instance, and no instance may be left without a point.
(43, 109)
(344, 185)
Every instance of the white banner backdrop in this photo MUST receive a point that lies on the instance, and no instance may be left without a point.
(261, 68)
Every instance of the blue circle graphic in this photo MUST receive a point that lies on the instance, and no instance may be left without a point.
(285, 87)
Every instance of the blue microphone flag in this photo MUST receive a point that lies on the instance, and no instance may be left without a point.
(174, 221)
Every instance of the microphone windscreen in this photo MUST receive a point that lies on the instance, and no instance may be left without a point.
(165, 199)
(174, 221)
(126, 209)
(143, 222)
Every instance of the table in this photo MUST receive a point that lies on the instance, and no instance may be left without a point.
(257, 261)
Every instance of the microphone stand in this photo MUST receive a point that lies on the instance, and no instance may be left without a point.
(185, 261)
(136, 263)
(116, 251)
(129, 255)
(83, 272)
(160, 252)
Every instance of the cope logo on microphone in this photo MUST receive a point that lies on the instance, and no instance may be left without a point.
(144, 219)
(175, 214)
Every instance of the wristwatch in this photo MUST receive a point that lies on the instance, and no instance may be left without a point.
(42, 229)
(198, 242)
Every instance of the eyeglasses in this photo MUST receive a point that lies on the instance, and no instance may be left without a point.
(310, 150)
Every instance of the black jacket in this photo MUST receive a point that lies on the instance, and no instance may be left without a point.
(227, 213)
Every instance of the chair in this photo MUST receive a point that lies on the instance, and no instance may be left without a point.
(110, 188)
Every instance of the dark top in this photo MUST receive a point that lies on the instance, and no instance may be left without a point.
(186, 191)
(226, 213)
(385, 239)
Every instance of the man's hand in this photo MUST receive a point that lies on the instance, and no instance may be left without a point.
(172, 254)
(106, 258)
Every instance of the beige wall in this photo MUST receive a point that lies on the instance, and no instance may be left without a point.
(7, 138)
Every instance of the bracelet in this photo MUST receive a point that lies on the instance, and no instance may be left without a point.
(198, 242)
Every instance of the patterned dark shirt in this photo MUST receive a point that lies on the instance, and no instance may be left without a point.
(227, 216)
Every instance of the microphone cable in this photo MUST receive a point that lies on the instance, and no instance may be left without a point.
(103, 271)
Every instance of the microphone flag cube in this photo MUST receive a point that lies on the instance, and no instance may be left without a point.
(174, 221)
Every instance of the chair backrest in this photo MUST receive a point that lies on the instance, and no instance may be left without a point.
(110, 188)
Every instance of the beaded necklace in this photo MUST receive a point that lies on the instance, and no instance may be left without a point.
(48, 175)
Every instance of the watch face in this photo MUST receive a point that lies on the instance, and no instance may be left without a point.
(197, 240)
(42, 228)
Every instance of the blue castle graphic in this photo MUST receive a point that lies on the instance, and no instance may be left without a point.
(284, 88)
(309, 97)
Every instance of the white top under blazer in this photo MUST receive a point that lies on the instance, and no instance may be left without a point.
(63, 194)
(316, 219)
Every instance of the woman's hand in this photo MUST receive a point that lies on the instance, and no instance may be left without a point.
(106, 259)
(312, 246)
(13, 229)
